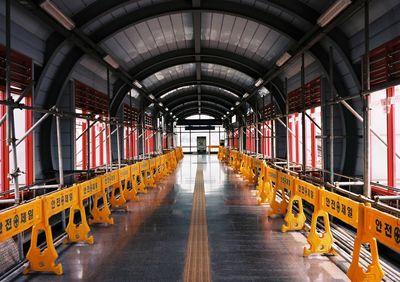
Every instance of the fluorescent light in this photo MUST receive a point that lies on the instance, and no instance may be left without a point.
(108, 59)
(245, 95)
(166, 109)
(258, 82)
(171, 113)
(232, 108)
(15, 87)
(237, 103)
(283, 59)
(332, 12)
(137, 84)
(151, 96)
(227, 113)
(174, 116)
(160, 104)
(57, 14)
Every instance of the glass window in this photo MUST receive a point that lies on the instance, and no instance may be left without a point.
(378, 119)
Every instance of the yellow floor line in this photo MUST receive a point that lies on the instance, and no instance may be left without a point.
(197, 263)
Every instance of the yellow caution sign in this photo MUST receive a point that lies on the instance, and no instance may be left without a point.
(101, 214)
(340, 207)
(18, 219)
(117, 198)
(295, 221)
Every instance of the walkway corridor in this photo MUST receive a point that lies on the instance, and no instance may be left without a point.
(159, 239)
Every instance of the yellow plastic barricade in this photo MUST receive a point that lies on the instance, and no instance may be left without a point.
(157, 173)
(111, 179)
(153, 168)
(319, 243)
(297, 221)
(53, 203)
(147, 174)
(220, 153)
(270, 182)
(125, 183)
(137, 178)
(261, 196)
(17, 219)
(80, 232)
(373, 225)
(284, 182)
(101, 214)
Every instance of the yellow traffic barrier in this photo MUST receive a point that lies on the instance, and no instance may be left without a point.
(36, 213)
(153, 168)
(125, 184)
(260, 193)
(295, 221)
(117, 198)
(18, 219)
(284, 182)
(147, 174)
(101, 214)
(319, 243)
(53, 203)
(373, 225)
(80, 232)
(158, 173)
(137, 178)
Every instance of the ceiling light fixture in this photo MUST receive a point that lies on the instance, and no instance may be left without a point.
(108, 59)
(166, 109)
(332, 12)
(57, 14)
(237, 103)
(137, 84)
(160, 104)
(258, 82)
(283, 59)
(245, 95)
(151, 96)
(232, 108)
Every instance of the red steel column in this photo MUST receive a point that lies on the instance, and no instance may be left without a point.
(93, 145)
(313, 147)
(5, 157)
(391, 139)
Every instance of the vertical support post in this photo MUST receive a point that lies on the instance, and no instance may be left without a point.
(288, 137)
(60, 165)
(303, 115)
(391, 139)
(108, 126)
(190, 140)
(118, 147)
(313, 141)
(10, 120)
(88, 148)
(93, 138)
(256, 133)
(331, 129)
(366, 123)
(101, 141)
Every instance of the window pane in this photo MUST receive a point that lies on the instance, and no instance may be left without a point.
(378, 149)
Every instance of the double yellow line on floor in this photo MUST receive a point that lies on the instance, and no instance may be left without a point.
(197, 263)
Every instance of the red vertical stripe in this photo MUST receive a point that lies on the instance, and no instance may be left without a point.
(391, 140)
(28, 142)
(84, 144)
(4, 149)
(93, 146)
(101, 147)
(313, 147)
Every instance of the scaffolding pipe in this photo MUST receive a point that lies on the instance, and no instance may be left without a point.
(11, 122)
(83, 132)
(387, 198)
(366, 123)
(118, 148)
(303, 116)
(331, 124)
(360, 118)
(351, 183)
(60, 166)
(33, 127)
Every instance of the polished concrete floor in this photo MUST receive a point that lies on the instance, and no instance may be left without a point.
(150, 241)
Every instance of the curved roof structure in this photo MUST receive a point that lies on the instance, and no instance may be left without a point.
(208, 55)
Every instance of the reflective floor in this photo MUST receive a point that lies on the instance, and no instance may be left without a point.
(149, 242)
